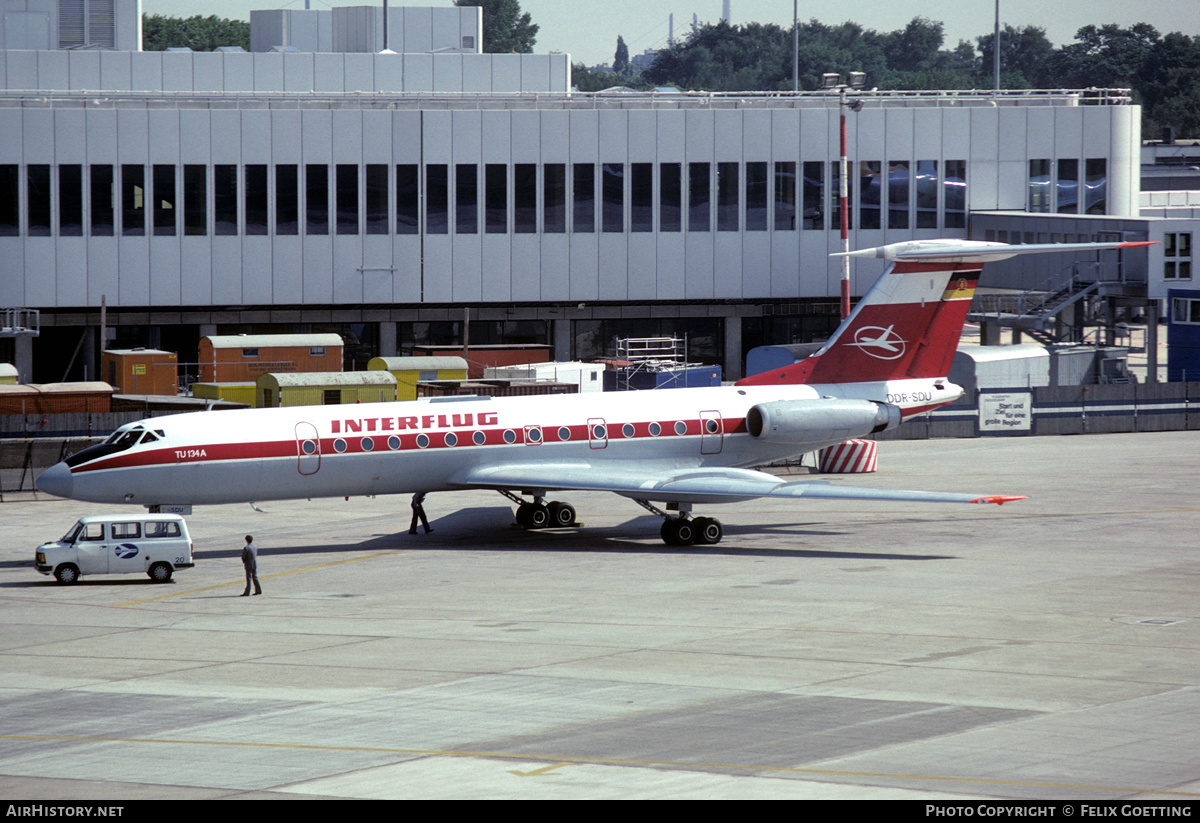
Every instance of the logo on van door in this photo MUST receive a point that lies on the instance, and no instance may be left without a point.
(126, 551)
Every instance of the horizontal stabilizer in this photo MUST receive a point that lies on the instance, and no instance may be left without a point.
(975, 251)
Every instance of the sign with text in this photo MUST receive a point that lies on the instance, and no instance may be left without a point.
(1005, 412)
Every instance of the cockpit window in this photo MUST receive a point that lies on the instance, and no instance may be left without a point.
(120, 440)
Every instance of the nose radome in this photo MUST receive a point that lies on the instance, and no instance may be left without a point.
(55, 480)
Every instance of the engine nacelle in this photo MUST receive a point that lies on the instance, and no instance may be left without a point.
(819, 422)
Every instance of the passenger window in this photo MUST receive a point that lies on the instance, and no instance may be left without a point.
(162, 530)
(126, 531)
(93, 531)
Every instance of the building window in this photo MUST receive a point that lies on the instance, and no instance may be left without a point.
(466, 198)
(699, 197)
(1039, 186)
(10, 200)
(316, 199)
(955, 186)
(495, 198)
(37, 183)
(554, 209)
(524, 198)
(70, 200)
(583, 198)
(164, 201)
(1066, 187)
(927, 194)
(641, 197)
(346, 180)
(1177, 256)
(287, 200)
(133, 201)
(257, 201)
(1185, 310)
(437, 198)
(898, 185)
(785, 196)
(225, 200)
(870, 193)
(756, 197)
(1096, 199)
(612, 192)
(195, 200)
(408, 197)
(727, 197)
(670, 192)
(814, 195)
(103, 201)
(377, 198)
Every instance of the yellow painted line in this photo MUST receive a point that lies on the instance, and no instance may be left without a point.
(560, 761)
(537, 772)
(264, 577)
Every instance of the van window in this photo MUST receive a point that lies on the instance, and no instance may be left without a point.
(92, 531)
(167, 529)
(126, 531)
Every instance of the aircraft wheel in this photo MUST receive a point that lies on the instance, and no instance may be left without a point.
(708, 531)
(160, 573)
(539, 516)
(562, 514)
(66, 574)
(678, 532)
(533, 515)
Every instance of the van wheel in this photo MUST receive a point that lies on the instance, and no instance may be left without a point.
(67, 574)
(160, 573)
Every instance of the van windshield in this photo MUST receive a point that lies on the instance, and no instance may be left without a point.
(69, 537)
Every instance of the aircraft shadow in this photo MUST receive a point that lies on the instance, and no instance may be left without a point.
(492, 528)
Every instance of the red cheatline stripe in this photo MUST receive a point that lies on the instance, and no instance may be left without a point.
(408, 441)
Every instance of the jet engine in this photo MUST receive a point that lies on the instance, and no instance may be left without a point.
(804, 422)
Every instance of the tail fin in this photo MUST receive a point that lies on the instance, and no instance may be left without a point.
(909, 323)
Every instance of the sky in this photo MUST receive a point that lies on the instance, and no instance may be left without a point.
(588, 30)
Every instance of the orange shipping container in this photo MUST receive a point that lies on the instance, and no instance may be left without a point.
(141, 371)
(236, 358)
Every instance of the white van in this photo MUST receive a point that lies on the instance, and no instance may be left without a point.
(153, 544)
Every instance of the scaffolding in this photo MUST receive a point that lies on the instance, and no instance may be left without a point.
(20, 323)
(644, 355)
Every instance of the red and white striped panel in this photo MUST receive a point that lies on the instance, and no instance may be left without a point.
(850, 457)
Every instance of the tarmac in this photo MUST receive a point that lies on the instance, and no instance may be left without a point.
(1046, 649)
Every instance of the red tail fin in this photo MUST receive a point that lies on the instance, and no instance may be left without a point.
(909, 323)
(907, 326)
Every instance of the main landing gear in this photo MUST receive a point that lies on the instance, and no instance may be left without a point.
(683, 530)
(540, 515)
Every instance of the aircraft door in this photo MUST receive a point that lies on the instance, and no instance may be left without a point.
(712, 433)
(308, 448)
(597, 433)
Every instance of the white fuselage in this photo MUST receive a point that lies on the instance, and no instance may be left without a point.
(426, 445)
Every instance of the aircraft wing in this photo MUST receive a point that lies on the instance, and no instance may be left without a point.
(710, 485)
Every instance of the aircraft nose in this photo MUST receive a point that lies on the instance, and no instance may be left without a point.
(56, 480)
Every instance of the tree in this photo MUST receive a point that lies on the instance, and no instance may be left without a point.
(1024, 54)
(621, 58)
(505, 29)
(196, 33)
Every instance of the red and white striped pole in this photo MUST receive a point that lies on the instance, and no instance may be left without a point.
(844, 208)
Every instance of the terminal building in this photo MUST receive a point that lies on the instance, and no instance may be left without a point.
(392, 188)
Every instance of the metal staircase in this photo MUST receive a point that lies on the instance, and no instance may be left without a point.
(1038, 312)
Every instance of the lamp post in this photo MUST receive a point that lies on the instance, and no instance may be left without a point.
(833, 82)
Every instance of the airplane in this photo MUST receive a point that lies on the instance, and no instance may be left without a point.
(887, 361)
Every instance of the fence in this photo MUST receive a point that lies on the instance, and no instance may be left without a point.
(1049, 410)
